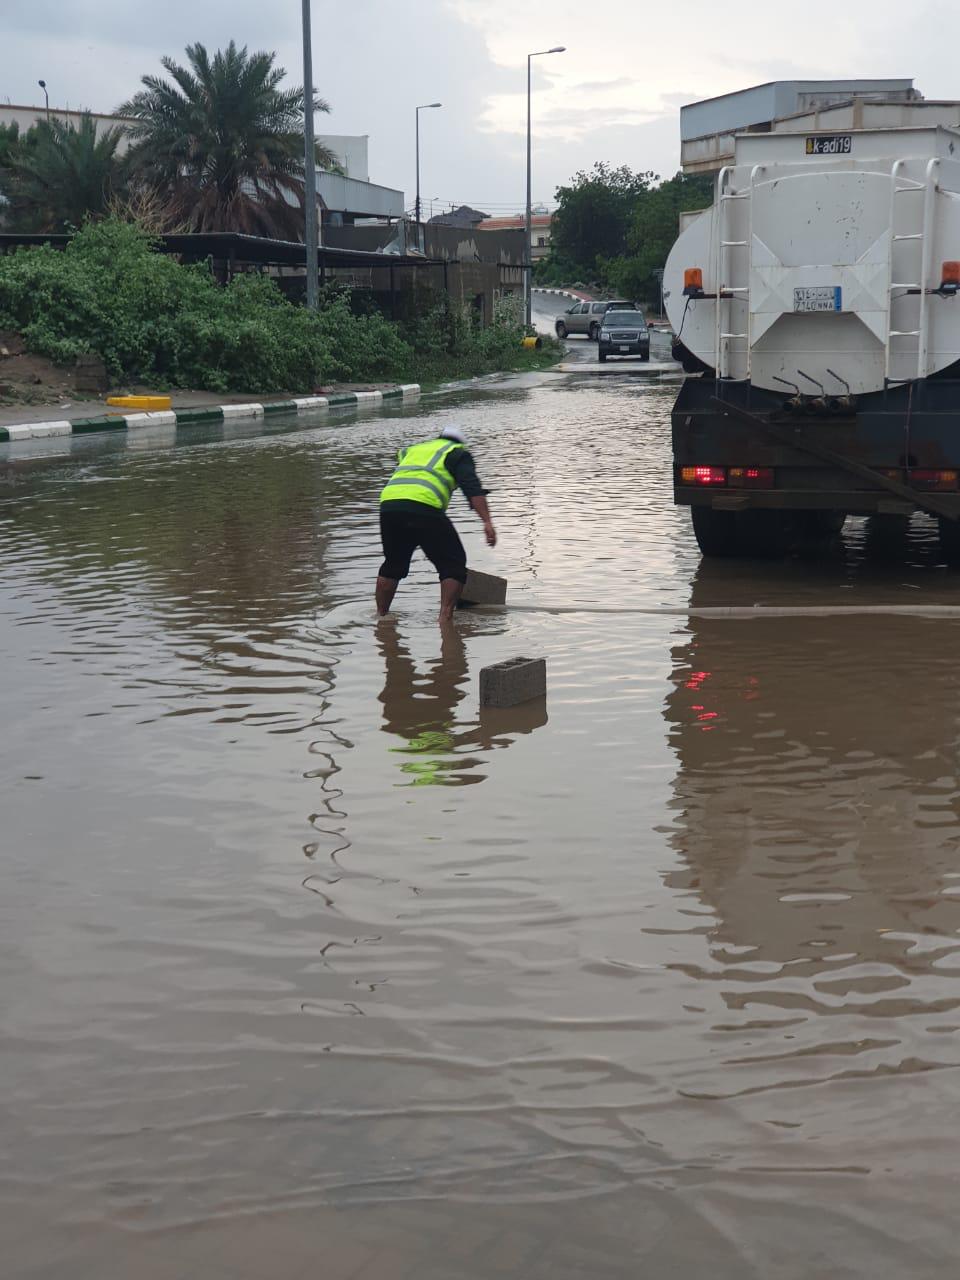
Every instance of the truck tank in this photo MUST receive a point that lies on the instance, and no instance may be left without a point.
(815, 307)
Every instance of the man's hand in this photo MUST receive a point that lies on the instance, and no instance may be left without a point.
(479, 504)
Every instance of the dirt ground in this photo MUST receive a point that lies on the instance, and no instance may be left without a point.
(29, 379)
(35, 382)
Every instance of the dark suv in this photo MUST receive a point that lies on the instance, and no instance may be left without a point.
(624, 333)
(586, 317)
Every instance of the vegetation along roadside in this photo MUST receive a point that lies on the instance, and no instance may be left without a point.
(160, 323)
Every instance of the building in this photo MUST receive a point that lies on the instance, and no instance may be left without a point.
(707, 128)
(482, 270)
(344, 197)
(463, 216)
(540, 224)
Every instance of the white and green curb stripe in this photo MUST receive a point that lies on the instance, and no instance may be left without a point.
(215, 413)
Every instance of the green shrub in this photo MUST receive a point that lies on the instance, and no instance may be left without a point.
(156, 321)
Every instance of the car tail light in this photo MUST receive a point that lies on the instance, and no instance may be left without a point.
(703, 475)
(934, 479)
(750, 477)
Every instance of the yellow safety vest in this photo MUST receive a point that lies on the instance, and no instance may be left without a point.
(421, 475)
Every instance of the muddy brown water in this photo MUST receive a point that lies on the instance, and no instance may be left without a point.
(309, 969)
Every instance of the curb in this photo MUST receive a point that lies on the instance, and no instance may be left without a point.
(565, 293)
(189, 417)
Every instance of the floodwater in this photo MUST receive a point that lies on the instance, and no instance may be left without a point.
(309, 969)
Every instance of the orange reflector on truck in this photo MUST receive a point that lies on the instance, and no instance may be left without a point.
(944, 480)
(703, 475)
(693, 282)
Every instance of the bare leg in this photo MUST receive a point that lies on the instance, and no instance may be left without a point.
(386, 590)
(450, 590)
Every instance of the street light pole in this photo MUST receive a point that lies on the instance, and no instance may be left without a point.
(426, 106)
(311, 229)
(43, 86)
(528, 273)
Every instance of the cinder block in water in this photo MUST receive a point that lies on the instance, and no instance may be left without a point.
(516, 680)
(483, 588)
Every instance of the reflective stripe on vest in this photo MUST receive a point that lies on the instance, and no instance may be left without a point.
(421, 475)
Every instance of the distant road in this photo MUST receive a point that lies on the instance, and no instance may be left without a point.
(545, 309)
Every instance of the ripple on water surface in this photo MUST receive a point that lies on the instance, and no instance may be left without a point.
(289, 924)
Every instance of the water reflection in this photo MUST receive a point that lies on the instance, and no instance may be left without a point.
(817, 814)
(439, 747)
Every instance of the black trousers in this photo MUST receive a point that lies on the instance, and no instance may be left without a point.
(403, 529)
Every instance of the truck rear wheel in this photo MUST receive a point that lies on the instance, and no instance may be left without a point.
(758, 535)
(716, 532)
(817, 531)
(950, 541)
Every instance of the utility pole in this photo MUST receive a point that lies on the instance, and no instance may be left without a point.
(311, 229)
(528, 222)
(426, 106)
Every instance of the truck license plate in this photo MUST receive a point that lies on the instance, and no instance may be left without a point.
(821, 297)
(624, 348)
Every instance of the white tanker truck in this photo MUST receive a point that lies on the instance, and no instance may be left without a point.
(815, 307)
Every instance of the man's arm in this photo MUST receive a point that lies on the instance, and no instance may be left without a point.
(479, 504)
(461, 467)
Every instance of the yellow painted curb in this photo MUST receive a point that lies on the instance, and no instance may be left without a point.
(146, 404)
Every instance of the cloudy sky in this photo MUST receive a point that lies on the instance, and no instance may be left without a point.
(612, 96)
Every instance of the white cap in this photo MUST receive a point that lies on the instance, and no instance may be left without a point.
(452, 433)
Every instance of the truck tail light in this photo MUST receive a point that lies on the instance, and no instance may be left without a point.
(703, 475)
(750, 477)
(942, 480)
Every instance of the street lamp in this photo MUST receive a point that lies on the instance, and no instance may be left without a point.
(311, 228)
(529, 221)
(43, 86)
(427, 106)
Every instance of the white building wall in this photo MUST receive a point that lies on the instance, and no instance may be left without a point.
(27, 117)
(351, 151)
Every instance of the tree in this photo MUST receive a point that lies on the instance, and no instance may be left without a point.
(56, 175)
(593, 216)
(223, 144)
(652, 231)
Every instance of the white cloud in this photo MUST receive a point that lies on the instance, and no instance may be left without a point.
(613, 95)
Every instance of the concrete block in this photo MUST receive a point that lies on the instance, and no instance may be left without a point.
(159, 418)
(91, 374)
(40, 429)
(516, 680)
(484, 588)
(242, 411)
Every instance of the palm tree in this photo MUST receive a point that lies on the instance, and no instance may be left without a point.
(60, 175)
(223, 143)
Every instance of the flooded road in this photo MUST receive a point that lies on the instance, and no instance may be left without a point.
(309, 969)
